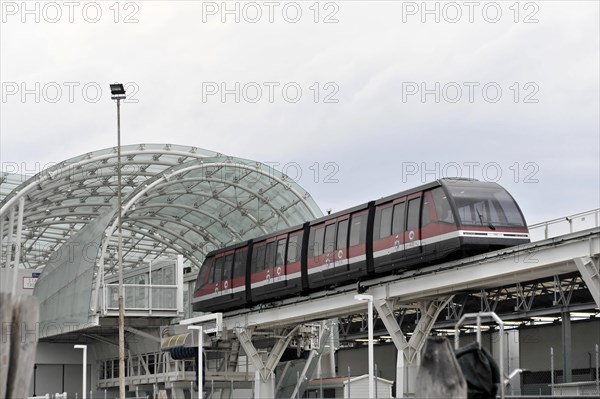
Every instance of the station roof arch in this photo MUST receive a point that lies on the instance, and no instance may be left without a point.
(176, 200)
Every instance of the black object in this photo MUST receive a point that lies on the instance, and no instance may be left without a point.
(480, 370)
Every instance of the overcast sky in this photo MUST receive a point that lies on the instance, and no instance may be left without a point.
(356, 99)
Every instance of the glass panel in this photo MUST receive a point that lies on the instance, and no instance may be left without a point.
(280, 252)
(486, 206)
(329, 238)
(425, 213)
(227, 267)
(442, 206)
(385, 228)
(317, 242)
(258, 258)
(358, 229)
(217, 271)
(412, 223)
(398, 218)
(342, 234)
(239, 264)
(270, 259)
(293, 248)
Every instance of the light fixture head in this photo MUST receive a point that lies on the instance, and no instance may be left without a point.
(117, 91)
(363, 297)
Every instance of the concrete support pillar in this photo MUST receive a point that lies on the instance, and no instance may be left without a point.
(406, 375)
(264, 389)
(512, 361)
(566, 346)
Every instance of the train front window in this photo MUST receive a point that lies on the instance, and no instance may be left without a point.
(488, 207)
(442, 206)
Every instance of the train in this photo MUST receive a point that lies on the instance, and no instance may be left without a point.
(439, 221)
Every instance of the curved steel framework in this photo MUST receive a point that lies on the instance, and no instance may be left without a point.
(176, 199)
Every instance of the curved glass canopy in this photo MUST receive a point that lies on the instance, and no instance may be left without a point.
(176, 199)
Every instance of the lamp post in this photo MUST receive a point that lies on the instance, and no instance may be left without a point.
(117, 92)
(200, 359)
(84, 372)
(369, 298)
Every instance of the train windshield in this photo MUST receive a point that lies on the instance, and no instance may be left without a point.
(489, 207)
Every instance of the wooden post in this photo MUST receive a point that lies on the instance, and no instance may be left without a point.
(439, 375)
(23, 346)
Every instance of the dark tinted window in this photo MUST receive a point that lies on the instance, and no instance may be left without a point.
(342, 234)
(202, 275)
(317, 241)
(442, 206)
(293, 252)
(258, 258)
(239, 264)
(385, 228)
(412, 222)
(485, 206)
(358, 229)
(425, 214)
(329, 238)
(280, 252)
(228, 267)
(217, 273)
(398, 218)
(271, 253)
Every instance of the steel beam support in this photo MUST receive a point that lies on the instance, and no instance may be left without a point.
(266, 370)
(566, 346)
(408, 351)
(312, 361)
(590, 273)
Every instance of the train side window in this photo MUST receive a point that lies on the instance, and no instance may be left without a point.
(239, 264)
(271, 252)
(217, 272)
(442, 206)
(202, 276)
(329, 238)
(385, 228)
(258, 258)
(294, 248)
(280, 252)
(398, 218)
(358, 229)
(377, 224)
(228, 267)
(425, 212)
(342, 234)
(317, 242)
(412, 221)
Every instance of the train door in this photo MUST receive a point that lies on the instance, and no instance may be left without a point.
(398, 223)
(278, 270)
(412, 233)
(226, 286)
(341, 244)
(357, 241)
(328, 257)
(239, 270)
(217, 275)
(293, 266)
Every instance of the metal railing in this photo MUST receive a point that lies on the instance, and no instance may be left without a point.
(140, 297)
(146, 368)
(565, 225)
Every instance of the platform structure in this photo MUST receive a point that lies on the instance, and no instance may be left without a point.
(429, 290)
